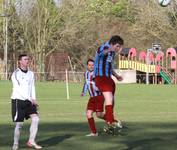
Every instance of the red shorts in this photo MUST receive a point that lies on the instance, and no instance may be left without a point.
(96, 103)
(105, 84)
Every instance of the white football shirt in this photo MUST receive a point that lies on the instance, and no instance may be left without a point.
(23, 85)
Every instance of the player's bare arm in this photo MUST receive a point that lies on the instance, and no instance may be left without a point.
(118, 77)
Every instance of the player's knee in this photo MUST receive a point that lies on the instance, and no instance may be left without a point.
(108, 98)
(35, 119)
(19, 125)
(89, 114)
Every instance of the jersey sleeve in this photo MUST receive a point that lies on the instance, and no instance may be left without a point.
(16, 84)
(84, 89)
(33, 91)
(101, 50)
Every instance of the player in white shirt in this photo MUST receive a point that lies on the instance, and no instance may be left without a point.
(24, 104)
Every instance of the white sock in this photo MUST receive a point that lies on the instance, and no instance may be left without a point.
(33, 128)
(18, 127)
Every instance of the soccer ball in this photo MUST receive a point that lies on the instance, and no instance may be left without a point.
(164, 3)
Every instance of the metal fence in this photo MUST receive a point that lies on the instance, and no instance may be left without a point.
(78, 77)
(57, 76)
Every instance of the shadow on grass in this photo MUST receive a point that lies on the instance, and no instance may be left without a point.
(55, 140)
(70, 136)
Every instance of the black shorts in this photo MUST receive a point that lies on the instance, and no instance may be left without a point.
(22, 110)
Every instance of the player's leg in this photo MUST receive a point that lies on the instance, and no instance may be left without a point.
(33, 127)
(32, 113)
(117, 122)
(18, 115)
(100, 107)
(91, 123)
(17, 130)
(107, 86)
(89, 114)
(101, 115)
(109, 107)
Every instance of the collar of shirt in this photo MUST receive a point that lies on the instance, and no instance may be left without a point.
(24, 71)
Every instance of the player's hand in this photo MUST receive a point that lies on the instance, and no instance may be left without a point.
(119, 78)
(34, 102)
(82, 94)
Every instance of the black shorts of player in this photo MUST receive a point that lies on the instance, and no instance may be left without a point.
(22, 109)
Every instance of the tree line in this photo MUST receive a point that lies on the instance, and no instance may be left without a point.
(78, 27)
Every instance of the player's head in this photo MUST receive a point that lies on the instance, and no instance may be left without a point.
(116, 43)
(90, 64)
(23, 60)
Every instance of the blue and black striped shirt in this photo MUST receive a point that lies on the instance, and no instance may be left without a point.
(90, 84)
(103, 62)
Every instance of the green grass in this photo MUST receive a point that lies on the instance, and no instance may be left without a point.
(149, 112)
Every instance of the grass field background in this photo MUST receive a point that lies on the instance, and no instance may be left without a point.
(149, 112)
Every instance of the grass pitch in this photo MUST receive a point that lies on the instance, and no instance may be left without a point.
(149, 112)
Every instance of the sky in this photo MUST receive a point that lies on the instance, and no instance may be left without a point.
(57, 2)
(24, 7)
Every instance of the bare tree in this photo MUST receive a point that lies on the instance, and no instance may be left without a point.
(78, 27)
(155, 23)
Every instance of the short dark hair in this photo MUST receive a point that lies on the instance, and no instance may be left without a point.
(116, 39)
(90, 60)
(21, 55)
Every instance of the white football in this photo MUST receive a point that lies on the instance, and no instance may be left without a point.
(164, 3)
